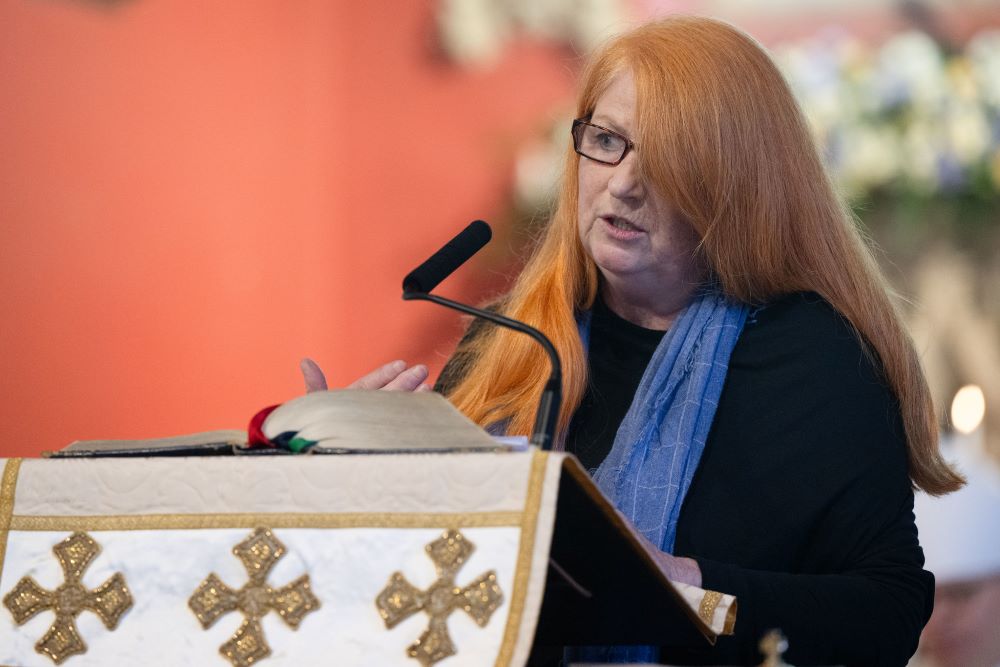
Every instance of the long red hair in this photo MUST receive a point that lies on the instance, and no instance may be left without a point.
(722, 138)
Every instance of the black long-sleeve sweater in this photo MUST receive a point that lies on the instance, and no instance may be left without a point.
(801, 505)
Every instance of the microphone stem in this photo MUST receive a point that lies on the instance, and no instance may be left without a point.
(548, 407)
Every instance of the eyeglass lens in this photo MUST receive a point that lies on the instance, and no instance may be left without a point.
(599, 144)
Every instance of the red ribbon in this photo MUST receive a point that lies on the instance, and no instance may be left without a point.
(255, 432)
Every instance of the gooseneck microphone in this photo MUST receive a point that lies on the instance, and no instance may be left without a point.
(418, 284)
(454, 254)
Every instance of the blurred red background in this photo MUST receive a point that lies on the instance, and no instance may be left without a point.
(195, 196)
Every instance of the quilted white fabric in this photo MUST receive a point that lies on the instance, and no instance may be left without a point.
(205, 485)
(348, 522)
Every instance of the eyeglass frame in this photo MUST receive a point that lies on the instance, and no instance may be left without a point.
(578, 122)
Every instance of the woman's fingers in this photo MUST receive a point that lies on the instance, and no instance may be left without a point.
(379, 377)
(393, 376)
(313, 375)
(409, 380)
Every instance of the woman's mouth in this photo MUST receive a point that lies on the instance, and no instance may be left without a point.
(620, 227)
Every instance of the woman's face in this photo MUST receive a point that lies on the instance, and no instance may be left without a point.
(634, 235)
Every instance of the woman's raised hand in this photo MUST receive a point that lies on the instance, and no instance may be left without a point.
(393, 376)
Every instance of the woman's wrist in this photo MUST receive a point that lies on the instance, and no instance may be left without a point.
(683, 570)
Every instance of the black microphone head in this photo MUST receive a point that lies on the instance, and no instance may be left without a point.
(443, 263)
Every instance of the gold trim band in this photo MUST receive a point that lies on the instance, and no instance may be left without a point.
(283, 520)
(8, 485)
(526, 550)
(709, 603)
(729, 625)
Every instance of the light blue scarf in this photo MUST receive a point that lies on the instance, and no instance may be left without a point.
(660, 441)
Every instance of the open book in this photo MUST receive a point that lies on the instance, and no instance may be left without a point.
(343, 421)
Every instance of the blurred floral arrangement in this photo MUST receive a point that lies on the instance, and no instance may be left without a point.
(906, 117)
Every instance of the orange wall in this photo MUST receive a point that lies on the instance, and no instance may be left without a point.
(195, 195)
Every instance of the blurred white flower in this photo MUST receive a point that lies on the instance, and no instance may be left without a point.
(911, 69)
(919, 162)
(870, 157)
(968, 133)
(474, 32)
(598, 20)
(984, 54)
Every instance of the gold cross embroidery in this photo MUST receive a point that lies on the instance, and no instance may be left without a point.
(399, 599)
(213, 599)
(109, 601)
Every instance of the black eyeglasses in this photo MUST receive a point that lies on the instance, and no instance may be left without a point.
(599, 143)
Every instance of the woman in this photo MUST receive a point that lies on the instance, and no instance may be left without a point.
(734, 372)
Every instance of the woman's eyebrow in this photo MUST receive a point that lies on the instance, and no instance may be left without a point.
(607, 122)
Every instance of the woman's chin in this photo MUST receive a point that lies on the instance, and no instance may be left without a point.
(616, 263)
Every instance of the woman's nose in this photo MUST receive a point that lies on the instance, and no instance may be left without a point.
(625, 182)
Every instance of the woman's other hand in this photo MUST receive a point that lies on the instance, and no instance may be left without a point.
(677, 568)
(393, 376)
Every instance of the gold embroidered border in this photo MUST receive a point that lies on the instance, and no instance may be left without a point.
(283, 520)
(8, 485)
(729, 624)
(706, 610)
(526, 550)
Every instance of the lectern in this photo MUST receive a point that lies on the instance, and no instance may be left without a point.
(460, 558)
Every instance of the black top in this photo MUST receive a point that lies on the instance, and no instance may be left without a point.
(801, 505)
(618, 354)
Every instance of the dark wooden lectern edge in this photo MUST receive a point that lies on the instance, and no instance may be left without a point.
(572, 467)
